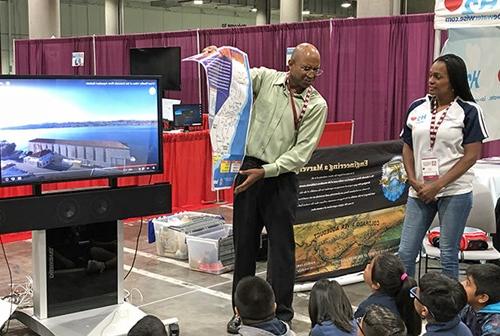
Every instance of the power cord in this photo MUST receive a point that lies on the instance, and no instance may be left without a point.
(137, 240)
(7, 324)
(136, 247)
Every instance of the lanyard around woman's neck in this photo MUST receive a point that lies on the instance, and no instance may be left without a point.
(434, 127)
(298, 119)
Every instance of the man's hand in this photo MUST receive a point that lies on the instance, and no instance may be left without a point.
(209, 49)
(428, 192)
(253, 175)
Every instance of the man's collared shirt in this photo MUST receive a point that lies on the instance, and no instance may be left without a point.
(272, 136)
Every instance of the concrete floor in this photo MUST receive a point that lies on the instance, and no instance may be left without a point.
(201, 301)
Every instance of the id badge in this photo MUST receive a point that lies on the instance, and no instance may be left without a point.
(430, 167)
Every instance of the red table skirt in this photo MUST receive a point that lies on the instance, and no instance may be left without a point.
(187, 166)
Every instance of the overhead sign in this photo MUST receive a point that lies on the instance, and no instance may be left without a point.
(466, 13)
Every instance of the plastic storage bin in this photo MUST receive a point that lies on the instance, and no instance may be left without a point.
(171, 232)
(212, 252)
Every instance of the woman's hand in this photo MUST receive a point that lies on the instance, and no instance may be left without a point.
(428, 192)
(417, 185)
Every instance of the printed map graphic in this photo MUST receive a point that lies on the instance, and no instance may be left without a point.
(338, 244)
(230, 103)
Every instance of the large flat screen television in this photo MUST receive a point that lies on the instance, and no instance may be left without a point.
(63, 128)
(165, 62)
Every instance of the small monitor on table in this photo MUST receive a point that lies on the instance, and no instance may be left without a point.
(186, 115)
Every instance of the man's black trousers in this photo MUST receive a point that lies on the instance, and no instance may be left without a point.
(271, 203)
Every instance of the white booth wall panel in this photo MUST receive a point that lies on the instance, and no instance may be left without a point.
(171, 21)
(4, 17)
(143, 20)
(82, 20)
(19, 29)
(153, 21)
(133, 20)
(20, 18)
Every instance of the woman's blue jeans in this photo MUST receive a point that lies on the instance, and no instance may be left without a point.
(453, 212)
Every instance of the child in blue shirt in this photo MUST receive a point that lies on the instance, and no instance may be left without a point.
(439, 299)
(387, 278)
(330, 310)
(482, 285)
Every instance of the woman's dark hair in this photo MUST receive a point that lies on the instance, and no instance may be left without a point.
(457, 74)
(328, 302)
(389, 272)
(380, 321)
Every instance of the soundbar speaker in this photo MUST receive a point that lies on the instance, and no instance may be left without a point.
(54, 210)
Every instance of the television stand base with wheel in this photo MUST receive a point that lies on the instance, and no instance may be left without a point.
(114, 320)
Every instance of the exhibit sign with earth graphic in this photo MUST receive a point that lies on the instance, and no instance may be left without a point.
(351, 207)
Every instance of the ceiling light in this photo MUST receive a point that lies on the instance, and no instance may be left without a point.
(306, 12)
(346, 4)
(198, 2)
(254, 9)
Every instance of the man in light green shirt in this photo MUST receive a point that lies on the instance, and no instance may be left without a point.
(287, 121)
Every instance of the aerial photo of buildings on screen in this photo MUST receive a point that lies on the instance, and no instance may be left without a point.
(72, 128)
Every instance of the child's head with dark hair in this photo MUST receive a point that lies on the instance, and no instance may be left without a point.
(254, 300)
(380, 321)
(439, 298)
(328, 302)
(386, 274)
(482, 285)
(149, 325)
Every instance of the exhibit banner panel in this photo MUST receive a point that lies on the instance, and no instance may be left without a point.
(466, 13)
(351, 206)
(480, 49)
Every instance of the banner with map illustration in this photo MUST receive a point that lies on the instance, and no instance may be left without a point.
(351, 206)
(229, 107)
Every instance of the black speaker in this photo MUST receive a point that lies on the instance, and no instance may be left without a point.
(55, 210)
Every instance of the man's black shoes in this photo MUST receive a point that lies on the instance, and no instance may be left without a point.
(233, 325)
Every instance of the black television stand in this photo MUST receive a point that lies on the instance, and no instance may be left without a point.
(77, 256)
(53, 315)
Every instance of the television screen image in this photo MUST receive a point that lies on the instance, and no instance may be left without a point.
(70, 128)
(186, 115)
(165, 62)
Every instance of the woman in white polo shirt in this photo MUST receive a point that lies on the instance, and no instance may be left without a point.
(442, 136)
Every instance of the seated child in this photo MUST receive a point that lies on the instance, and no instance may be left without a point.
(255, 305)
(439, 299)
(386, 277)
(330, 310)
(482, 285)
(380, 321)
(149, 325)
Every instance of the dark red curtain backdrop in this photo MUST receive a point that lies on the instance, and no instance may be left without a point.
(374, 68)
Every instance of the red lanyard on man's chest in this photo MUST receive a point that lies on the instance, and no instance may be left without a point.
(298, 118)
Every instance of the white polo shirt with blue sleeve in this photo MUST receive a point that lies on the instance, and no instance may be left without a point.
(462, 125)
